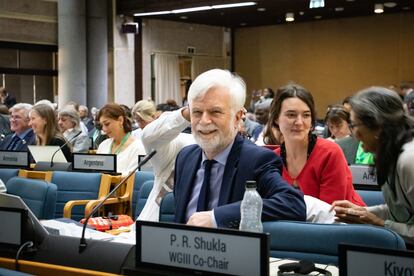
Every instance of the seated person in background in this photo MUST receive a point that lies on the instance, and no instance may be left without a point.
(69, 124)
(44, 124)
(120, 142)
(19, 123)
(216, 99)
(4, 121)
(143, 113)
(97, 135)
(314, 165)
(164, 135)
(85, 118)
(379, 121)
(337, 120)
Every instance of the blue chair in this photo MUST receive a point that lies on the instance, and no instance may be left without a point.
(167, 208)
(371, 197)
(319, 242)
(140, 178)
(76, 189)
(6, 174)
(143, 195)
(8, 272)
(39, 195)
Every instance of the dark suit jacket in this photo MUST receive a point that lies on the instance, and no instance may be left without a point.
(29, 139)
(246, 161)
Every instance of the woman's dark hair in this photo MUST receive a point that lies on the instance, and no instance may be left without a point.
(336, 114)
(283, 93)
(114, 111)
(380, 109)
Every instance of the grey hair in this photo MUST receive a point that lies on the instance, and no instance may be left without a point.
(22, 106)
(381, 110)
(71, 114)
(377, 107)
(84, 107)
(218, 78)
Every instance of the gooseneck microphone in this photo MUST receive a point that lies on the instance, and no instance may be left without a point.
(61, 147)
(83, 244)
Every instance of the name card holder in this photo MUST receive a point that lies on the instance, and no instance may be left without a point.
(12, 232)
(147, 166)
(361, 260)
(363, 176)
(9, 158)
(94, 162)
(205, 251)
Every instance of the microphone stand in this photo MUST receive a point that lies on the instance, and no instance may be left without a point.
(61, 147)
(83, 244)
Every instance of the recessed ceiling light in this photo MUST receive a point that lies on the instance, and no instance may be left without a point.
(406, 8)
(350, 0)
(390, 4)
(339, 9)
(183, 17)
(378, 8)
(261, 9)
(317, 16)
(243, 24)
(301, 12)
(290, 16)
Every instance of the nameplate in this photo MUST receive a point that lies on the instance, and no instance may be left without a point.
(94, 162)
(363, 175)
(181, 248)
(14, 158)
(147, 166)
(360, 260)
(11, 233)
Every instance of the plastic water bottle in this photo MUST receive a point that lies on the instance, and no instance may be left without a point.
(251, 209)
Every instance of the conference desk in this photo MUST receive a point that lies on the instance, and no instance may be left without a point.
(38, 268)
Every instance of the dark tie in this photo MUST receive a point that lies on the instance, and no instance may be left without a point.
(204, 197)
(13, 143)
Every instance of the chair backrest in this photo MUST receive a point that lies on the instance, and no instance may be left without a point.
(39, 195)
(143, 195)
(140, 178)
(76, 186)
(6, 174)
(167, 208)
(319, 242)
(371, 198)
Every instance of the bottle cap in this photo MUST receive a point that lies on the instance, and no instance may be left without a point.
(250, 184)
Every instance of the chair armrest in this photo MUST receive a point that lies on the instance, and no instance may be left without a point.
(67, 210)
(112, 200)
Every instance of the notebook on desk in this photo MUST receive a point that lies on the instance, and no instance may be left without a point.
(45, 153)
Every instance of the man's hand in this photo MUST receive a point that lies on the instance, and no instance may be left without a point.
(186, 113)
(203, 219)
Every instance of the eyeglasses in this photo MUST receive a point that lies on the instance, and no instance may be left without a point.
(351, 125)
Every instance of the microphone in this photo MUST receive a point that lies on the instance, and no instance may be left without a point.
(83, 244)
(61, 147)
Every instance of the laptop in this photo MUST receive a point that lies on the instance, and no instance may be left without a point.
(45, 153)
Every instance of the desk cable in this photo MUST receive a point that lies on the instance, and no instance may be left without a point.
(27, 244)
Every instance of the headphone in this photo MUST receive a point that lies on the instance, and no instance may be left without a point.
(301, 268)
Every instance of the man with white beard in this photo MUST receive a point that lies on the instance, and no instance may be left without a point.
(210, 176)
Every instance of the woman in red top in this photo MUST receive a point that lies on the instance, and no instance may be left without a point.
(315, 165)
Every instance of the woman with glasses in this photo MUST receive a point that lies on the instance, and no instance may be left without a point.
(380, 122)
(314, 165)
